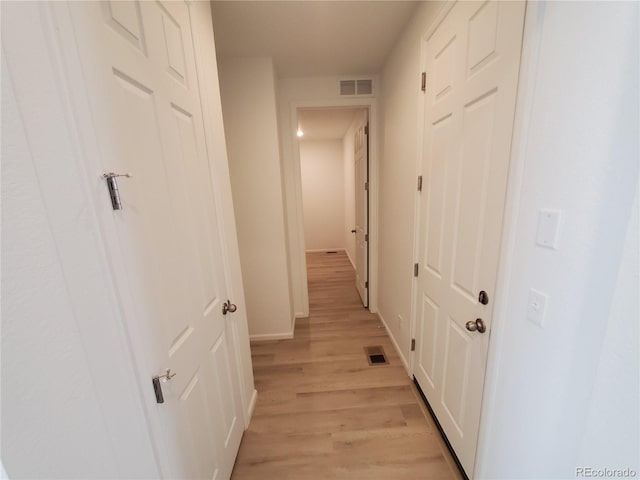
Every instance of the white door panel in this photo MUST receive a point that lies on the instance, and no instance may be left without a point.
(361, 165)
(472, 62)
(140, 75)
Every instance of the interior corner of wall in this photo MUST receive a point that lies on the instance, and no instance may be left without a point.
(395, 343)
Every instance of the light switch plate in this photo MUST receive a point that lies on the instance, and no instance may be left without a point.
(548, 227)
(537, 306)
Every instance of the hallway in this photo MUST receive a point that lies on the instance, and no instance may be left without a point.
(322, 411)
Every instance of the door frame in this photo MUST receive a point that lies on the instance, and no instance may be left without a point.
(532, 37)
(369, 104)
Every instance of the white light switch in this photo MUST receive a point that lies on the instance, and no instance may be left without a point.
(536, 307)
(548, 226)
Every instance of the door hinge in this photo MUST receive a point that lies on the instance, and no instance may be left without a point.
(112, 185)
(415, 269)
(419, 183)
(366, 284)
(413, 344)
(366, 186)
(366, 129)
(423, 81)
(366, 237)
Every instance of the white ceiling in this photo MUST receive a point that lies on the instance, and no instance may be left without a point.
(311, 38)
(325, 124)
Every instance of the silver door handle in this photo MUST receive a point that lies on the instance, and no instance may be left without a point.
(228, 307)
(478, 326)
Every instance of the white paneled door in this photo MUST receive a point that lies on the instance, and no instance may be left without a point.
(472, 61)
(139, 69)
(361, 165)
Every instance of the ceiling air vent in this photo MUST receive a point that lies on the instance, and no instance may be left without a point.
(347, 87)
(356, 87)
(364, 87)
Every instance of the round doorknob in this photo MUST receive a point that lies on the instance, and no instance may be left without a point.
(228, 307)
(478, 326)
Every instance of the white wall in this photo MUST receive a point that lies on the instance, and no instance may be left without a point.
(307, 92)
(566, 395)
(323, 195)
(613, 410)
(400, 100)
(247, 87)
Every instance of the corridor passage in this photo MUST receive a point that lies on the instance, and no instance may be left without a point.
(323, 412)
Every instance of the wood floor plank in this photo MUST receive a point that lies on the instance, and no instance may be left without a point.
(323, 412)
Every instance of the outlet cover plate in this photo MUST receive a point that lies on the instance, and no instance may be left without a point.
(537, 306)
(548, 228)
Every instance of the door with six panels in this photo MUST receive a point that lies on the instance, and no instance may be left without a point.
(138, 62)
(472, 61)
(361, 175)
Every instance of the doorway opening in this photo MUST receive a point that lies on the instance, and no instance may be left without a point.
(333, 147)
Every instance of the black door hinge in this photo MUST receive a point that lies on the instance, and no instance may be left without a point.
(423, 81)
(419, 183)
(413, 344)
(415, 269)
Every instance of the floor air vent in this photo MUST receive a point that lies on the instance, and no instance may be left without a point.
(376, 355)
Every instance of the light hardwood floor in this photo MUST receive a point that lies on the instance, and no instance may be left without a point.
(323, 412)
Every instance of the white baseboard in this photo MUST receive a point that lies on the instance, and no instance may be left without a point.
(301, 314)
(350, 259)
(324, 250)
(251, 408)
(271, 336)
(395, 344)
